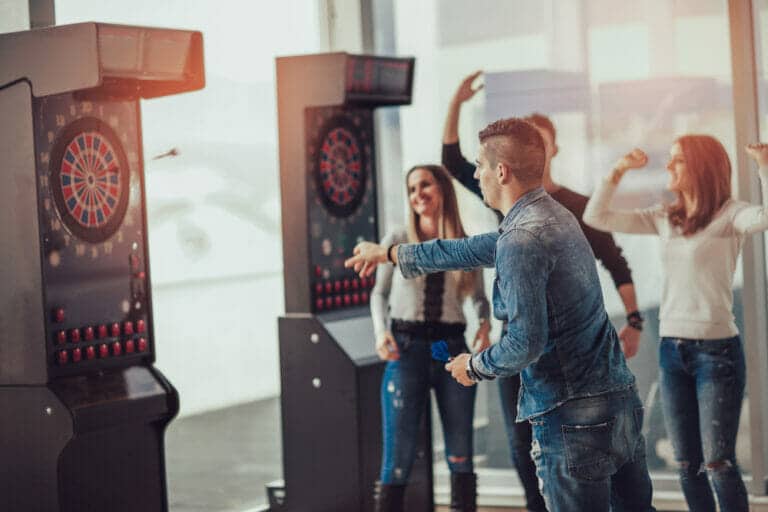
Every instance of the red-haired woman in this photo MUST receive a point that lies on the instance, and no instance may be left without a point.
(701, 355)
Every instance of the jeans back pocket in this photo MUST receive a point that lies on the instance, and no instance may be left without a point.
(589, 450)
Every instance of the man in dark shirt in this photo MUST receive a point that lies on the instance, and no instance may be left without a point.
(577, 393)
(602, 244)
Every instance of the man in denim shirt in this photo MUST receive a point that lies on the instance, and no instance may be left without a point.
(577, 391)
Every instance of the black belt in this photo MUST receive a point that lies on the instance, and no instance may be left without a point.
(431, 330)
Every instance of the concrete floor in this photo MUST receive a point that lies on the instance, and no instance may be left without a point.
(221, 461)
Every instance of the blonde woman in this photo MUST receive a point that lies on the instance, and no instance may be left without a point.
(410, 315)
(701, 356)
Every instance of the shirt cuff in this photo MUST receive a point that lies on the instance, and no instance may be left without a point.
(480, 368)
(406, 260)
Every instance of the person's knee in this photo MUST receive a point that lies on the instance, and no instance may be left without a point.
(719, 467)
(689, 469)
(460, 463)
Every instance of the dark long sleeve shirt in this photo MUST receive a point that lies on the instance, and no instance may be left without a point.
(603, 245)
(558, 335)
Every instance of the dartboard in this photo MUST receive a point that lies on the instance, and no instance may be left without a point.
(90, 179)
(341, 172)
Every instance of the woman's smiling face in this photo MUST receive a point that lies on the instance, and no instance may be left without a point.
(424, 193)
(677, 169)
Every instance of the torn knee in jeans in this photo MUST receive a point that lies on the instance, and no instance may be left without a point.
(719, 465)
(456, 460)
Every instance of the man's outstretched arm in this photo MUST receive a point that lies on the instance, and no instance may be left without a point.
(427, 257)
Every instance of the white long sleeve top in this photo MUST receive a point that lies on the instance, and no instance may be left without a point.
(697, 270)
(394, 297)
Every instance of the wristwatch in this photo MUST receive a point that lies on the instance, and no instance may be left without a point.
(635, 320)
(473, 374)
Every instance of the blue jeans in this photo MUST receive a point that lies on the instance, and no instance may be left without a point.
(404, 395)
(590, 455)
(519, 437)
(702, 387)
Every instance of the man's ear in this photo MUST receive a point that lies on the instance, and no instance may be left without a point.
(503, 173)
(557, 148)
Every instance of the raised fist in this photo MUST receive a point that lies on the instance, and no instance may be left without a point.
(635, 159)
(759, 152)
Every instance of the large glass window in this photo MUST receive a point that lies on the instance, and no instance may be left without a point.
(610, 79)
(213, 194)
(213, 205)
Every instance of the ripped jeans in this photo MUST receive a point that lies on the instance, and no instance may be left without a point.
(702, 387)
(404, 395)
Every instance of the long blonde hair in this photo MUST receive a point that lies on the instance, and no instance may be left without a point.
(448, 224)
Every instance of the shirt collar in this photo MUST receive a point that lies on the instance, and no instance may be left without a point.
(528, 198)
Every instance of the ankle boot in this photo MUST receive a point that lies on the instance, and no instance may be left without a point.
(463, 492)
(388, 497)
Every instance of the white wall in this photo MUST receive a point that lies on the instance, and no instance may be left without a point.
(14, 15)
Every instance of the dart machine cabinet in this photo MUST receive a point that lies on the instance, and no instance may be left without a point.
(330, 374)
(83, 409)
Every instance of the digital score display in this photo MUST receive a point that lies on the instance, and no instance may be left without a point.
(385, 80)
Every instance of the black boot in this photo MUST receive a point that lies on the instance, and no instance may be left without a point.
(388, 497)
(463, 492)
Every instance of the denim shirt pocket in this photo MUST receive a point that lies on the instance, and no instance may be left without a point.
(588, 450)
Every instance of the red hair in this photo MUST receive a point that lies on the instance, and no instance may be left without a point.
(708, 176)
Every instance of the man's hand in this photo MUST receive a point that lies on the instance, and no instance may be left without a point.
(386, 347)
(366, 256)
(630, 341)
(759, 152)
(482, 338)
(458, 368)
(465, 91)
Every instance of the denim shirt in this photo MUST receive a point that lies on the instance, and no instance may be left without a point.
(559, 337)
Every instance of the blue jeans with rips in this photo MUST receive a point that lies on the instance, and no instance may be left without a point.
(590, 455)
(404, 394)
(702, 387)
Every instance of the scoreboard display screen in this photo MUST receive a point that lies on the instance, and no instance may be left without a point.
(381, 79)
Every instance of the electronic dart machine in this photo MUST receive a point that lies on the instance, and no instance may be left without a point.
(83, 409)
(330, 374)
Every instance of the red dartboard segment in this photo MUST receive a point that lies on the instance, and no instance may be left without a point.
(339, 157)
(89, 180)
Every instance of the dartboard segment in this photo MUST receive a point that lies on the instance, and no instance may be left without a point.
(90, 179)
